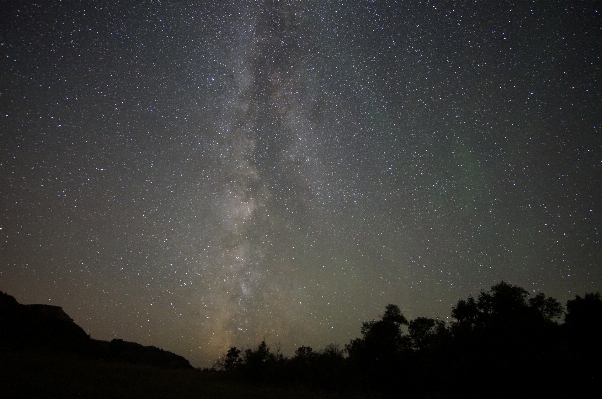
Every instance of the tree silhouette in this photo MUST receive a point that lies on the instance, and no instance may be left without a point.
(304, 354)
(503, 338)
(547, 308)
(494, 335)
(582, 331)
(583, 322)
(503, 308)
(377, 354)
(424, 331)
(380, 338)
(393, 315)
(232, 359)
(255, 358)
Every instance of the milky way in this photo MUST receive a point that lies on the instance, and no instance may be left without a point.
(201, 175)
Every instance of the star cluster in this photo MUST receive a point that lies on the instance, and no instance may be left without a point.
(199, 175)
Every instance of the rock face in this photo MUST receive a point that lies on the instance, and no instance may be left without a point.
(46, 326)
(132, 352)
(39, 325)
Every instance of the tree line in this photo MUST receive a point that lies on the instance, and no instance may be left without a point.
(501, 343)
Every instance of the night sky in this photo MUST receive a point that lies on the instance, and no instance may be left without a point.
(200, 175)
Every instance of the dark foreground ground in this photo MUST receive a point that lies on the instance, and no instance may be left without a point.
(43, 374)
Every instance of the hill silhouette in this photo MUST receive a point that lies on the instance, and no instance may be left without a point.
(49, 327)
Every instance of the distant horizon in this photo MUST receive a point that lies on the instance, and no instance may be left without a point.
(277, 345)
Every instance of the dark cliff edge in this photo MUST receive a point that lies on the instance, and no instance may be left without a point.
(49, 327)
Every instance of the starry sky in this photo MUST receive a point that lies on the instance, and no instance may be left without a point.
(200, 175)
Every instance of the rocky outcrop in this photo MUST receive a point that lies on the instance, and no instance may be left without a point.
(39, 325)
(47, 326)
(132, 352)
